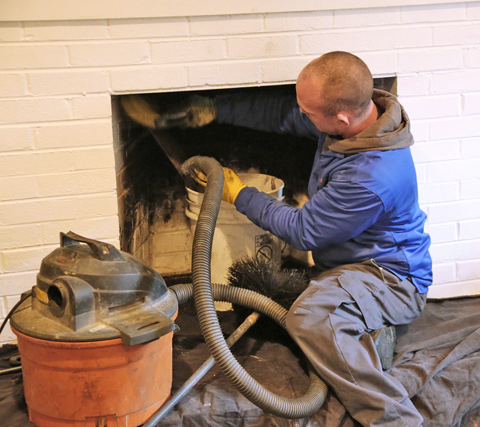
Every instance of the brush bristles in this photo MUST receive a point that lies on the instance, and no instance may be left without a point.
(139, 110)
(269, 279)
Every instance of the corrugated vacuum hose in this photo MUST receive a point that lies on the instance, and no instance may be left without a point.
(204, 297)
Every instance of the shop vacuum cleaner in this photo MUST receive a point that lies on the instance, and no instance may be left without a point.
(95, 333)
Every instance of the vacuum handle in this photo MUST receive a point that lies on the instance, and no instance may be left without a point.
(100, 250)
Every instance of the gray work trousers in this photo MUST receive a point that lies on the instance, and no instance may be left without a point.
(330, 322)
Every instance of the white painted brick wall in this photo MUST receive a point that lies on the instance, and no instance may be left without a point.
(62, 82)
(139, 79)
(57, 170)
(262, 46)
(16, 56)
(296, 22)
(64, 30)
(23, 110)
(109, 53)
(469, 189)
(226, 25)
(183, 51)
(148, 28)
(224, 74)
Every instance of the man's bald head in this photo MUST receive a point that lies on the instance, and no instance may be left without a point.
(343, 82)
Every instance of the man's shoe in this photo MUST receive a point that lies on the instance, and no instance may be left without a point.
(385, 340)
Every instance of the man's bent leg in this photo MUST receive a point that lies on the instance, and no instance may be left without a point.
(330, 324)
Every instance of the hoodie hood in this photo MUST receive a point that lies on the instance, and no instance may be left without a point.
(390, 132)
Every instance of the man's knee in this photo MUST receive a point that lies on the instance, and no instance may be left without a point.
(302, 323)
(292, 322)
(311, 310)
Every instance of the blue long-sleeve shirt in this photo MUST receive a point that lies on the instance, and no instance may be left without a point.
(363, 202)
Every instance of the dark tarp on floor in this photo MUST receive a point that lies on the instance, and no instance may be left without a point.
(437, 359)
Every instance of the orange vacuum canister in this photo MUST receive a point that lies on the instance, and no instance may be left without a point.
(95, 339)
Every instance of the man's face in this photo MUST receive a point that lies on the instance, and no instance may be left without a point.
(310, 101)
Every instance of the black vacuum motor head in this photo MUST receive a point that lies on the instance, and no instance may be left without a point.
(89, 290)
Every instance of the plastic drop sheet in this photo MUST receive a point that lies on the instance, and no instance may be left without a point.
(437, 360)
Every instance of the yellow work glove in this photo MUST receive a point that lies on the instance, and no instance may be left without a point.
(232, 184)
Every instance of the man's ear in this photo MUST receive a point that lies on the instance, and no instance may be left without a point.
(343, 118)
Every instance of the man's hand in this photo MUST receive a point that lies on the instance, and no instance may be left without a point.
(198, 111)
(232, 184)
(195, 112)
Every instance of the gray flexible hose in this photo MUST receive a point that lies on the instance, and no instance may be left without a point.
(199, 373)
(314, 397)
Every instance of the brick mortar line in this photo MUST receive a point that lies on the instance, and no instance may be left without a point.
(328, 30)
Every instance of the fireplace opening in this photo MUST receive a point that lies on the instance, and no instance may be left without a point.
(151, 193)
